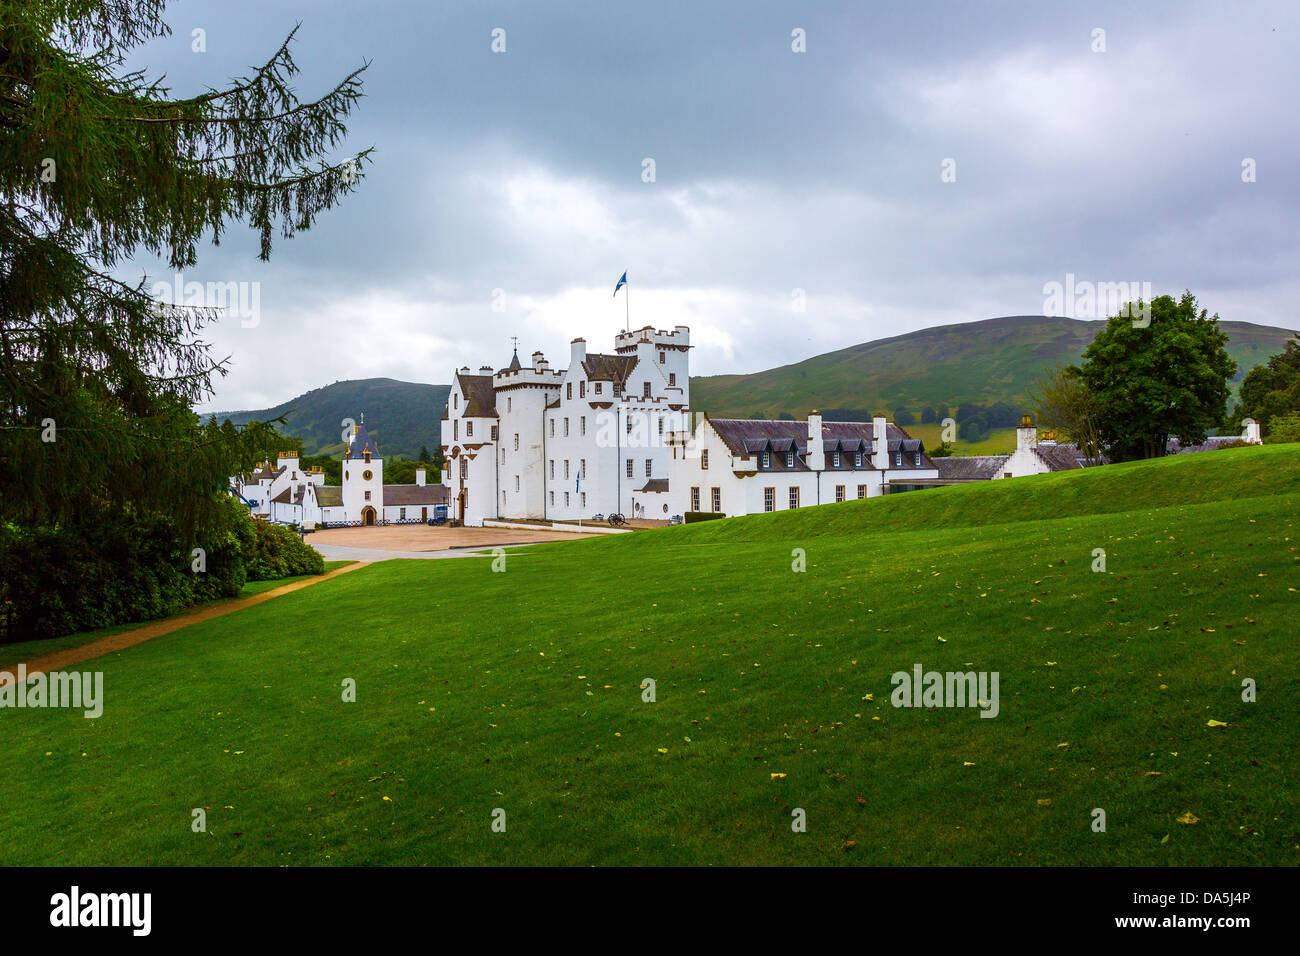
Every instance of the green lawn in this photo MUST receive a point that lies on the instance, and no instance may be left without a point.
(520, 690)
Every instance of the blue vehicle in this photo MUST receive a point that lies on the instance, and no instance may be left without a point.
(439, 515)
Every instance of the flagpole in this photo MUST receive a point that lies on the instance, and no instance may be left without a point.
(627, 306)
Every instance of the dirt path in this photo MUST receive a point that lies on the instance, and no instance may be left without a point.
(138, 635)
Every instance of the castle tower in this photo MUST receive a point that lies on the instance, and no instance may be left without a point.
(363, 477)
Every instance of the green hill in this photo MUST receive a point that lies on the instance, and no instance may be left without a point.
(1119, 690)
(989, 361)
(401, 416)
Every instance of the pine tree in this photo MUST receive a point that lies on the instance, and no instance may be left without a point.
(99, 163)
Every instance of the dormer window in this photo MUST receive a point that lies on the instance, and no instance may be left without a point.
(916, 459)
(765, 461)
(618, 389)
(857, 459)
(366, 456)
(835, 459)
(789, 459)
(898, 459)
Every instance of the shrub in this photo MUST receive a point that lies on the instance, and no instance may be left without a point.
(692, 516)
(278, 552)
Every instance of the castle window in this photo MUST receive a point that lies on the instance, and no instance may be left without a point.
(455, 430)
(765, 462)
(582, 425)
(769, 499)
(715, 495)
(582, 389)
(568, 390)
(789, 459)
(464, 467)
(566, 428)
(645, 389)
(566, 469)
(566, 499)
(598, 388)
(618, 389)
(367, 456)
(839, 492)
(582, 468)
(695, 499)
(455, 401)
(862, 491)
(552, 499)
(401, 514)
(584, 499)
(649, 463)
(898, 459)
(469, 433)
(516, 484)
(629, 467)
(663, 358)
(552, 469)
(704, 459)
(794, 497)
(493, 433)
(857, 459)
(367, 496)
(509, 403)
(661, 428)
(516, 441)
(672, 378)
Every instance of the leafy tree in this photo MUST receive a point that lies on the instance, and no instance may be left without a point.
(424, 454)
(943, 450)
(1154, 382)
(1284, 428)
(1272, 390)
(1064, 403)
(903, 418)
(99, 163)
(928, 416)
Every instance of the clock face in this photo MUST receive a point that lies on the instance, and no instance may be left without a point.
(367, 474)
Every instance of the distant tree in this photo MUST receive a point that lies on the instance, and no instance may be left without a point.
(1150, 383)
(942, 450)
(424, 454)
(1284, 428)
(785, 417)
(903, 417)
(942, 412)
(928, 416)
(1272, 390)
(1063, 402)
(759, 416)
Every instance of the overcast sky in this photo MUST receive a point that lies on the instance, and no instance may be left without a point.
(775, 171)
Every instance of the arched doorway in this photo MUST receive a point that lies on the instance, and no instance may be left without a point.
(367, 516)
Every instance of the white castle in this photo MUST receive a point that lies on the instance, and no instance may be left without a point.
(613, 433)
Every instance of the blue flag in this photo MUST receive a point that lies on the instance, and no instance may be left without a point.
(621, 282)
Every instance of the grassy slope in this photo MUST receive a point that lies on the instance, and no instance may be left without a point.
(992, 360)
(520, 690)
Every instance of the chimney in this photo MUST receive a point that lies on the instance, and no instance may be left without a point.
(579, 353)
(485, 369)
(1026, 435)
(419, 477)
(880, 442)
(816, 453)
(539, 362)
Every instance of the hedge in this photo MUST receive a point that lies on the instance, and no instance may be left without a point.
(692, 516)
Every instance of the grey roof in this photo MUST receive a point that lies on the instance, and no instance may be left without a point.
(655, 484)
(514, 365)
(1060, 457)
(361, 442)
(415, 494)
(748, 436)
(970, 467)
(1176, 447)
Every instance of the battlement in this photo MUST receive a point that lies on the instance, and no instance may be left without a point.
(678, 338)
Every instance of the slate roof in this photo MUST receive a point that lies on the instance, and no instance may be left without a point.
(480, 396)
(360, 442)
(1060, 457)
(655, 484)
(747, 437)
(514, 365)
(608, 368)
(415, 494)
(971, 467)
(1176, 447)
